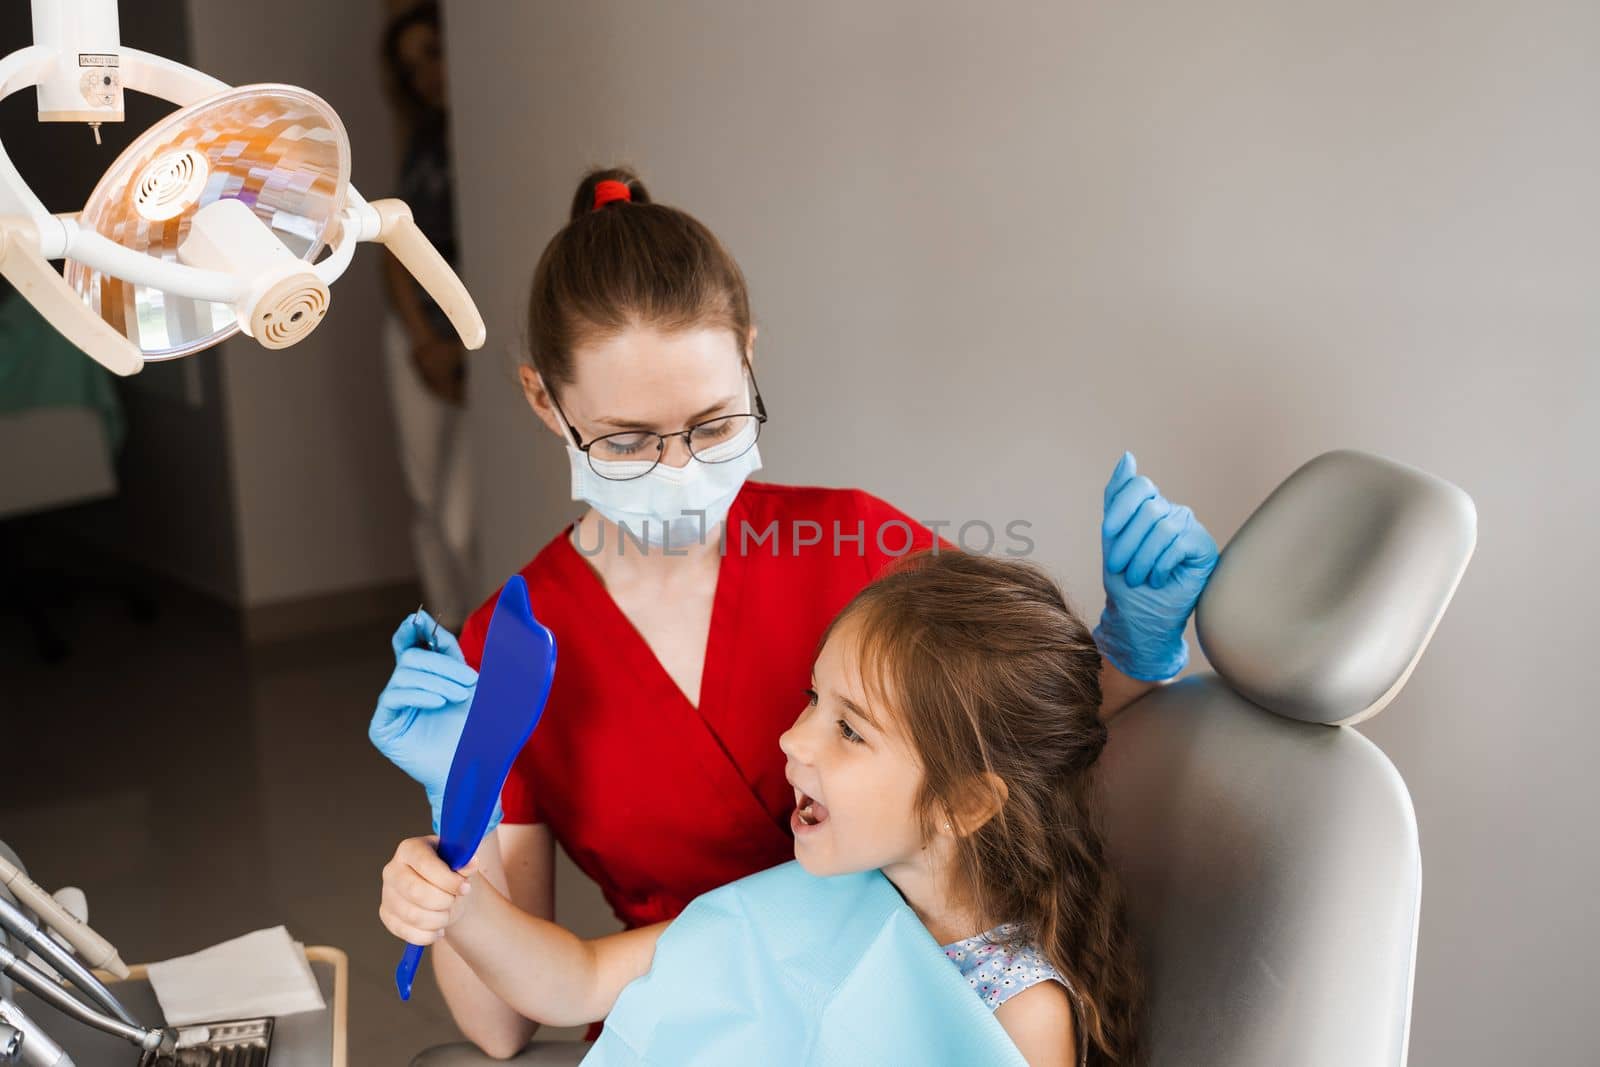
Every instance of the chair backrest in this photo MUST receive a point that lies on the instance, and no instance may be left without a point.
(1269, 852)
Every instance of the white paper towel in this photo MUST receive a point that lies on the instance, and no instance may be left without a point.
(264, 973)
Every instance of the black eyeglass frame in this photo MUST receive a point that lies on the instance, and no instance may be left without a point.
(759, 414)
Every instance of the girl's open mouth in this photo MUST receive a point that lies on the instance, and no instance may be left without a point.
(808, 813)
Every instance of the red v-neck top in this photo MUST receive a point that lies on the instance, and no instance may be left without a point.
(654, 798)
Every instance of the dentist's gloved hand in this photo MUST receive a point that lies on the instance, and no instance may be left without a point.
(423, 708)
(1156, 558)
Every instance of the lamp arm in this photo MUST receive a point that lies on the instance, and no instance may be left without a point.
(166, 79)
(41, 285)
(400, 234)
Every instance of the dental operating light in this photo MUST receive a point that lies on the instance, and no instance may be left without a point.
(213, 221)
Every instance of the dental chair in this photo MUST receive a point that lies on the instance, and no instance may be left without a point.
(1269, 851)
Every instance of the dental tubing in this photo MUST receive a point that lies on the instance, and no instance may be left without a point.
(94, 949)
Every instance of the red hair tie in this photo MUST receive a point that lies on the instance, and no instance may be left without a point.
(607, 191)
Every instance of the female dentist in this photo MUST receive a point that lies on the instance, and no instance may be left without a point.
(686, 600)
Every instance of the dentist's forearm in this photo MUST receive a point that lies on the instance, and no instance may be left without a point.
(1117, 690)
(516, 862)
(542, 970)
(484, 1019)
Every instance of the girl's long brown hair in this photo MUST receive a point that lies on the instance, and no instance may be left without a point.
(991, 672)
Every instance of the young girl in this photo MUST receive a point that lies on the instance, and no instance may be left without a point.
(947, 739)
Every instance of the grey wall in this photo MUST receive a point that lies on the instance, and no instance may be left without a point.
(991, 246)
(317, 493)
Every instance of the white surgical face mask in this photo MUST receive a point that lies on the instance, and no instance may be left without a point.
(664, 506)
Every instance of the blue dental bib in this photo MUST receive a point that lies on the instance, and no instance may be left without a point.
(786, 968)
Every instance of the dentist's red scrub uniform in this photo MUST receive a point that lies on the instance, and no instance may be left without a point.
(656, 799)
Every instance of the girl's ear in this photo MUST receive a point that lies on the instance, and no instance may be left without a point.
(976, 801)
(538, 398)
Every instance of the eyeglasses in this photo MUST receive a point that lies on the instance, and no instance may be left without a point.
(630, 454)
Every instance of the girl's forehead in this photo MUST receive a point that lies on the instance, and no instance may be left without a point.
(840, 655)
(852, 669)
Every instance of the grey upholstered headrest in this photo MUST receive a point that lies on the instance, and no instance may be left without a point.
(1325, 598)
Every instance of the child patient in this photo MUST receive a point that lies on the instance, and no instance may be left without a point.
(947, 739)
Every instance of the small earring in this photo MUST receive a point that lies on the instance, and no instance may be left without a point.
(947, 826)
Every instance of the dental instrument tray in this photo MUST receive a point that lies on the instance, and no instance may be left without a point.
(237, 1043)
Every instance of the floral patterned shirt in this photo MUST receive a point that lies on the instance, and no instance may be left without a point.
(998, 965)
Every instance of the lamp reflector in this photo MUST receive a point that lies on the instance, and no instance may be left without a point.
(278, 149)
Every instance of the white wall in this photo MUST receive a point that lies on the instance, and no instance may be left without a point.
(318, 500)
(990, 246)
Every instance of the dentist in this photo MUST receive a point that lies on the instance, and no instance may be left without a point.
(687, 600)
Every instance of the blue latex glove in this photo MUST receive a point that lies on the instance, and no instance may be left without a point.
(1156, 558)
(423, 708)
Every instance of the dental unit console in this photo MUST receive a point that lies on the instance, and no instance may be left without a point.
(213, 221)
(63, 949)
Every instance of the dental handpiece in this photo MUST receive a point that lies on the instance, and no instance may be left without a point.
(12, 919)
(95, 950)
(37, 1049)
(34, 981)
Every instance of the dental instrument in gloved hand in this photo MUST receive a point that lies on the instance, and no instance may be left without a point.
(95, 950)
(431, 642)
(1156, 560)
(519, 663)
(422, 709)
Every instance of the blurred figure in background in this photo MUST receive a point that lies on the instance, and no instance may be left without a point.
(425, 361)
